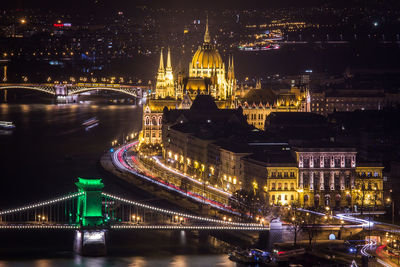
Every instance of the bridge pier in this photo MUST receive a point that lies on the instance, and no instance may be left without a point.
(90, 242)
(62, 99)
(275, 232)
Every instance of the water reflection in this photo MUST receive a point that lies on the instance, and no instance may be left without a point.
(49, 149)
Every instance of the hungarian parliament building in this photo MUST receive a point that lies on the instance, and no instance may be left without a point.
(208, 75)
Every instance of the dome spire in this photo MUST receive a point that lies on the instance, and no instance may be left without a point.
(161, 67)
(169, 59)
(207, 34)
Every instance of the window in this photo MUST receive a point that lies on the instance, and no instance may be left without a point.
(291, 186)
(279, 186)
(286, 186)
(273, 186)
(285, 197)
(291, 197)
(273, 197)
(147, 121)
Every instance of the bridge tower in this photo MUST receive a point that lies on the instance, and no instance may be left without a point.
(90, 240)
(89, 207)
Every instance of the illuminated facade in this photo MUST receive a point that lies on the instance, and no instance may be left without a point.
(331, 177)
(207, 76)
(297, 100)
(318, 177)
(282, 184)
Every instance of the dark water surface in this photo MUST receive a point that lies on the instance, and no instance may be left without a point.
(42, 158)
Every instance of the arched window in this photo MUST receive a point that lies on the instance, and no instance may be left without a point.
(147, 121)
(337, 200)
(316, 200)
(327, 200)
(153, 121)
(273, 186)
(305, 198)
(160, 120)
(291, 186)
(286, 186)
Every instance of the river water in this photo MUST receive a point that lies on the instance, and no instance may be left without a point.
(42, 158)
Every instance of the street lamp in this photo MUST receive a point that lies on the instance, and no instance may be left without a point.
(392, 203)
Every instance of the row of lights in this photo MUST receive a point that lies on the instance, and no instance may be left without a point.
(191, 178)
(176, 213)
(39, 227)
(41, 204)
(180, 227)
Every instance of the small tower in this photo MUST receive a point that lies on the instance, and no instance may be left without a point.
(169, 77)
(207, 37)
(160, 84)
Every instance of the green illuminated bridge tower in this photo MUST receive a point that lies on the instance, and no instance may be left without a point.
(91, 238)
(89, 206)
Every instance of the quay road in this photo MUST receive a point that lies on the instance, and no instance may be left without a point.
(169, 180)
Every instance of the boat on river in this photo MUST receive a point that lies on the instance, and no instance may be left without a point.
(7, 125)
(252, 256)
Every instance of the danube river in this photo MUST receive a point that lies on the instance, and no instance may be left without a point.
(41, 159)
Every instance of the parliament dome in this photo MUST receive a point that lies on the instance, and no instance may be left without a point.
(207, 57)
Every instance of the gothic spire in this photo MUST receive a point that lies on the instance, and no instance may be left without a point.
(169, 59)
(161, 67)
(207, 34)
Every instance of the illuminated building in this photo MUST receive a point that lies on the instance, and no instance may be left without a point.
(259, 103)
(207, 76)
(331, 177)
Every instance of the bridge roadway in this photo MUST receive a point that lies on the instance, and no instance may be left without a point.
(136, 227)
(77, 88)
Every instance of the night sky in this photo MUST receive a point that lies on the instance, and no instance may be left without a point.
(90, 5)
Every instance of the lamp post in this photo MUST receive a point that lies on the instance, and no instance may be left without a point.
(392, 203)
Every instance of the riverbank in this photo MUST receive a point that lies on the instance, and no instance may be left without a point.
(243, 239)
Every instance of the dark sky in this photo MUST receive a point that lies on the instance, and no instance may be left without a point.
(204, 4)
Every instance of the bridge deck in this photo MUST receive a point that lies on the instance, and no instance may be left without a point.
(135, 227)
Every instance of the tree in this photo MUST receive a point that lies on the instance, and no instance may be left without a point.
(311, 226)
(295, 221)
(362, 187)
(246, 202)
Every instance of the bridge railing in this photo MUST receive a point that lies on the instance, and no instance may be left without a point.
(175, 216)
(55, 211)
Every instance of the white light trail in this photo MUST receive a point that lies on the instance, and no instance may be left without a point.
(120, 163)
(190, 178)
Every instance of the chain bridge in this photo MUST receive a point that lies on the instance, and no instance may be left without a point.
(91, 213)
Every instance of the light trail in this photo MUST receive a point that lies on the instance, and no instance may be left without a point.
(344, 217)
(190, 178)
(119, 162)
(367, 247)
